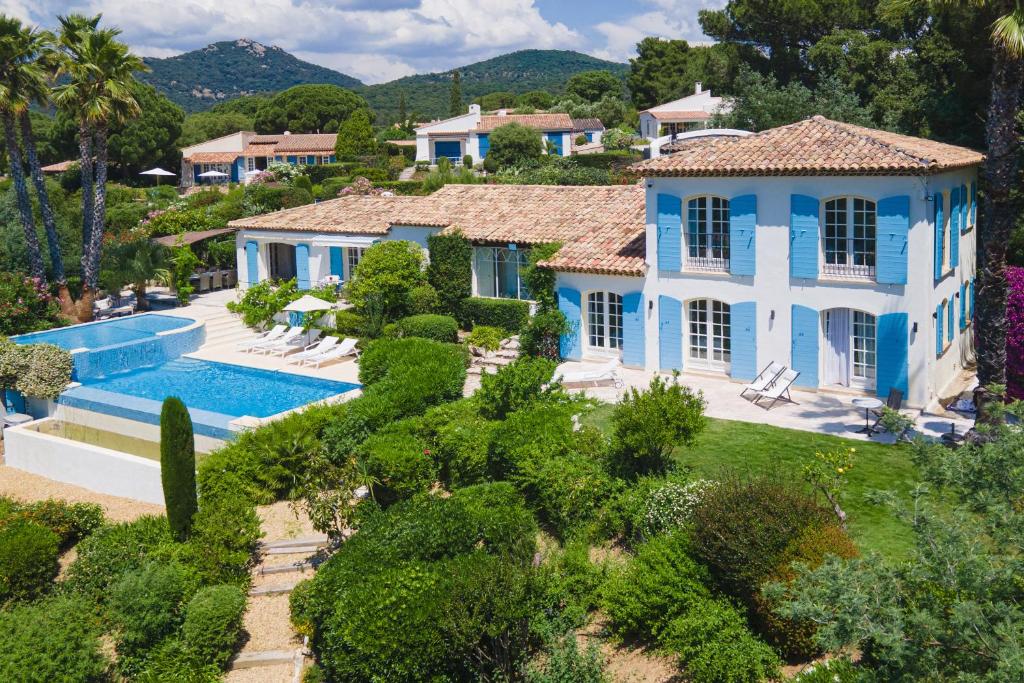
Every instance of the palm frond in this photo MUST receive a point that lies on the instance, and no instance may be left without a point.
(1008, 32)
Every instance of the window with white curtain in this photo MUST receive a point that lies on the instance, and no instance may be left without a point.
(353, 254)
(604, 320)
(849, 237)
(864, 352)
(707, 233)
(710, 334)
(499, 272)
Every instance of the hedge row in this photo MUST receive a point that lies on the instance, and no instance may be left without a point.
(508, 314)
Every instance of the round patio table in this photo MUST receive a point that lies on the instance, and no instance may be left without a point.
(867, 403)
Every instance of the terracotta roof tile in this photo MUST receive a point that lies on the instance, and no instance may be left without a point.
(815, 146)
(538, 121)
(306, 142)
(662, 115)
(585, 124)
(359, 214)
(214, 157)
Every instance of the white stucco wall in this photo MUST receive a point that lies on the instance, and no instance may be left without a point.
(235, 142)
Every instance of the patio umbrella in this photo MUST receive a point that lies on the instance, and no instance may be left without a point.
(157, 172)
(213, 174)
(305, 304)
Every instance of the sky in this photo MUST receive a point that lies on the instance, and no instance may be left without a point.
(381, 40)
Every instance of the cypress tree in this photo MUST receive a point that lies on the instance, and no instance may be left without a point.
(455, 96)
(178, 466)
(403, 115)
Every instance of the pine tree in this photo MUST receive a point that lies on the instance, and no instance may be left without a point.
(403, 115)
(178, 467)
(455, 98)
(355, 136)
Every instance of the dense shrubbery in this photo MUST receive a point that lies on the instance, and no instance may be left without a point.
(440, 328)
(25, 305)
(28, 560)
(541, 336)
(145, 606)
(55, 639)
(399, 461)
(424, 299)
(459, 439)
(508, 314)
(34, 370)
(386, 273)
(213, 623)
(514, 386)
(450, 270)
(70, 521)
(486, 337)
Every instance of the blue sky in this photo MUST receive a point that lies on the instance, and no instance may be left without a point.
(384, 39)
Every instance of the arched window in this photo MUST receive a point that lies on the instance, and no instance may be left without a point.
(709, 324)
(604, 320)
(707, 233)
(849, 237)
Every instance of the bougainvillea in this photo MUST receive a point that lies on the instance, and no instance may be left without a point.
(26, 305)
(1015, 332)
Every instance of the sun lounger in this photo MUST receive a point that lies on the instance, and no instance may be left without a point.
(271, 334)
(765, 379)
(288, 337)
(296, 344)
(320, 347)
(345, 348)
(605, 371)
(779, 389)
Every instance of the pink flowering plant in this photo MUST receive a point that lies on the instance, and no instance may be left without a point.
(360, 185)
(26, 305)
(1015, 332)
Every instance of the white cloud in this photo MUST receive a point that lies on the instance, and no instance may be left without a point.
(667, 19)
(368, 68)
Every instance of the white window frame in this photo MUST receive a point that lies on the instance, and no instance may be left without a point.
(353, 255)
(708, 257)
(714, 328)
(522, 256)
(604, 334)
(849, 270)
(325, 160)
(250, 163)
(863, 349)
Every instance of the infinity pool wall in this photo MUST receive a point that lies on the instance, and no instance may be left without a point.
(163, 347)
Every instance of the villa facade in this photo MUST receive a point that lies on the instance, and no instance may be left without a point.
(845, 253)
(693, 112)
(245, 152)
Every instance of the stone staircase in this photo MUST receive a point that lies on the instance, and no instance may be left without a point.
(224, 328)
(489, 362)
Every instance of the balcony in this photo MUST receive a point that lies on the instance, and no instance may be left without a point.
(847, 271)
(707, 264)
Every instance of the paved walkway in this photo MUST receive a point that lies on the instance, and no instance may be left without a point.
(407, 173)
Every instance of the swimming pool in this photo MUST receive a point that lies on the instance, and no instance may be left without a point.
(97, 335)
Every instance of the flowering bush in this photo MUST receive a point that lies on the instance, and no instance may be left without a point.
(35, 370)
(1015, 332)
(25, 305)
(262, 177)
(360, 186)
(672, 505)
(283, 171)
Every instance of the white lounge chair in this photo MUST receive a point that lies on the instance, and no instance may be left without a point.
(273, 333)
(322, 346)
(606, 371)
(779, 390)
(296, 344)
(345, 348)
(765, 379)
(288, 337)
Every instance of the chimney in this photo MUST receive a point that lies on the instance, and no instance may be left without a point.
(474, 109)
(697, 88)
(287, 132)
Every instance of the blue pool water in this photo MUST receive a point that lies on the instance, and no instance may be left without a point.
(107, 333)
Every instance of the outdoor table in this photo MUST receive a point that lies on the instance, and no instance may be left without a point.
(867, 404)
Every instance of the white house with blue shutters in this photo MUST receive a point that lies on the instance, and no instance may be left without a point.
(843, 252)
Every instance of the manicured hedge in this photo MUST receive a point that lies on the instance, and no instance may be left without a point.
(450, 271)
(616, 159)
(403, 187)
(28, 560)
(508, 314)
(321, 172)
(213, 623)
(440, 328)
(55, 639)
(70, 521)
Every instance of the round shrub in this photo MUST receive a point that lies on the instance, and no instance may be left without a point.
(514, 386)
(55, 639)
(672, 505)
(423, 299)
(145, 605)
(70, 521)
(542, 429)
(348, 324)
(213, 623)
(567, 491)
(28, 560)
(401, 465)
(459, 439)
(440, 328)
(508, 314)
(384, 277)
(486, 337)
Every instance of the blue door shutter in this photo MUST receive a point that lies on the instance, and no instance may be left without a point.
(742, 227)
(670, 226)
(633, 329)
(803, 236)
(302, 265)
(804, 345)
(485, 145)
(893, 229)
(939, 236)
(892, 343)
(973, 283)
(337, 262)
(974, 203)
(939, 316)
(670, 333)
(949, 322)
(743, 341)
(252, 262)
(964, 202)
(963, 305)
(570, 345)
(556, 140)
(954, 227)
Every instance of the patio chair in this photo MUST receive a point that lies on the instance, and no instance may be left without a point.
(101, 308)
(320, 347)
(605, 371)
(289, 337)
(779, 390)
(765, 379)
(346, 348)
(894, 401)
(215, 280)
(269, 335)
(283, 348)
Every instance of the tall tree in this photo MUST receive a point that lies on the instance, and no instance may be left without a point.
(592, 86)
(664, 70)
(307, 109)
(100, 90)
(403, 115)
(355, 136)
(455, 95)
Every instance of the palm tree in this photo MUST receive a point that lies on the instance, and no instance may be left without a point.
(100, 72)
(135, 263)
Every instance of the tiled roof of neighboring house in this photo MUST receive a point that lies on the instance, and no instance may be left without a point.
(815, 146)
(309, 142)
(259, 149)
(598, 226)
(583, 125)
(538, 121)
(58, 167)
(679, 115)
(214, 157)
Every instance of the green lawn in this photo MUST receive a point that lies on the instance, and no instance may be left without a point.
(744, 447)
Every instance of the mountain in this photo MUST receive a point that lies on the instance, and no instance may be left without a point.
(199, 79)
(518, 72)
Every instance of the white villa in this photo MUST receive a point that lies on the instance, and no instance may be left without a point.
(693, 112)
(469, 134)
(239, 153)
(845, 253)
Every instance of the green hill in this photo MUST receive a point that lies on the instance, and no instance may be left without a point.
(199, 79)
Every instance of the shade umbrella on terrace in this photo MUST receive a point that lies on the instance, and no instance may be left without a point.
(213, 174)
(158, 172)
(298, 309)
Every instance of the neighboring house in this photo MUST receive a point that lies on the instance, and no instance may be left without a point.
(59, 167)
(469, 134)
(591, 128)
(244, 152)
(843, 252)
(679, 116)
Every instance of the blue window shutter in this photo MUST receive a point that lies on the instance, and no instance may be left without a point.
(964, 201)
(633, 329)
(337, 262)
(973, 283)
(743, 341)
(570, 345)
(963, 305)
(252, 262)
(556, 140)
(893, 230)
(939, 314)
(804, 345)
(803, 237)
(485, 145)
(302, 265)
(954, 227)
(974, 203)
(292, 159)
(670, 333)
(670, 225)
(334, 159)
(892, 342)
(939, 236)
(742, 229)
(949, 321)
